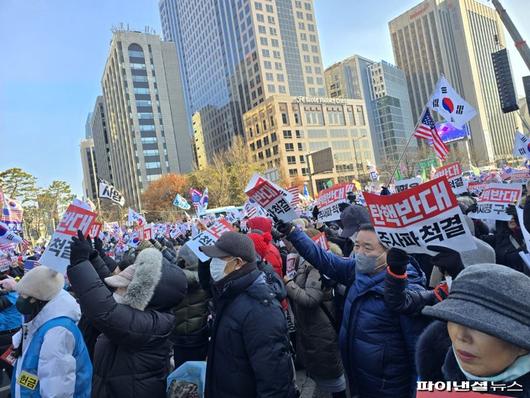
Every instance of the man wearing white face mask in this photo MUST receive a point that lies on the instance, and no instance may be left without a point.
(249, 347)
(377, 344)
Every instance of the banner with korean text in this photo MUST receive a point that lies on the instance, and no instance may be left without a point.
(494, 200)
(272, 198)
(453, 172)
(208, 238)
(426, 215)
(57, 253)
(329, 199)
(403, 185)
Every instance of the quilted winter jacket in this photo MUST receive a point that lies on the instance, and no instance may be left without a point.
(377, 344)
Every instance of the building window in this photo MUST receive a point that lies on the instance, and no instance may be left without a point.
(302, 159)
(274, 137)
(301, 147)
(275, 149)
(282, 89)
(258, 144)
(299, 134)
(152, 165)
(265, 140)
(291, 159)
(271, 88)
(148, 140)
(252, 147)
(289, 147)
(293, 172)
(151, 152)
(260, 17)
(260, 155)
(284, 119)
(287, 134)
(268, 153)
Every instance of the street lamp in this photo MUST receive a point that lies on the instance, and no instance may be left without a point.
(356, 156)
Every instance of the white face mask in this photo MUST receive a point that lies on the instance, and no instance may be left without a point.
(217, 269)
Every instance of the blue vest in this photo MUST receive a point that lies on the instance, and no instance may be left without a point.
(10, 318)
(29, 385)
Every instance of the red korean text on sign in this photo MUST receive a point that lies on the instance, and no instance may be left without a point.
(405, 208)
(264, 193)
(451, 170)
(500, 195)
(219, 228)
(94, 230)
(76, 218)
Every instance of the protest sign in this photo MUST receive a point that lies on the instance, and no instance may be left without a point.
(208, 237)
(290, 265)
(256, 179)
(526, 235)
(5, 263)
(94, 230)
(271, 198)
(476, 188)
(403, 185)
(329, 199)
(134, 217)
(57, 253)
(419, 217)
(321, 241)
(146, 232)
(494, 201)
(251, 209)
(453, 172)
(7, 236)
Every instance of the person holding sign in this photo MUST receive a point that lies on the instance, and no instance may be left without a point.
(482, 336)
(376, 343)
(51, 357)
(315, 320)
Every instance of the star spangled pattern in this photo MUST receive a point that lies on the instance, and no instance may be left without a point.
(427, 131)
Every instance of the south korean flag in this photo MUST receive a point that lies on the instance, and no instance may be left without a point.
(450, 105)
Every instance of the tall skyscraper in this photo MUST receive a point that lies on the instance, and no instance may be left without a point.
(99, 132)
(235, 54)
(146, 116)
(383, 88)
(456, 38)
(88, 162)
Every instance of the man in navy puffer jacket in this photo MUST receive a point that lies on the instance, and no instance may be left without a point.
(377, 344)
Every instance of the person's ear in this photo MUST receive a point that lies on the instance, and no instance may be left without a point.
(239, 263)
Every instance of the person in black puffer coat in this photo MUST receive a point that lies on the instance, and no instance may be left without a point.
(249, 348)
(131, 357)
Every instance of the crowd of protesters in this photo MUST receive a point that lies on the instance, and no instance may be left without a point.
(361, 320)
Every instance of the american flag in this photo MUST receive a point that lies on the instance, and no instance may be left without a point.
(11, 210)
(296, 198)
(427, 131)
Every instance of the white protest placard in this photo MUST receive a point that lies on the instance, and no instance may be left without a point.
(476, 188)
(271, 198)
(329, 199)
(426, 215)
(256, 179)
(57, 253)
(403, 185)
(494, 200)
(290, 265)
(208, 238)
(453, 172)
(251, 209)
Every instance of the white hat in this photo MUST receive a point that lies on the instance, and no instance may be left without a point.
(42, 283)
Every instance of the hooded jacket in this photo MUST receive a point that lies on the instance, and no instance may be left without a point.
(435, 360)
(249, 348)
(377, 344)
(57, 365)
(131, 356)
(318, 338)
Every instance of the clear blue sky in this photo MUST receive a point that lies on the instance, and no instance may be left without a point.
(54, 51)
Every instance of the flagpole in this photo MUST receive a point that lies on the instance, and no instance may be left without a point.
(406, 146)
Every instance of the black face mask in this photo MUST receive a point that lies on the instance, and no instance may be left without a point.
(29, 309)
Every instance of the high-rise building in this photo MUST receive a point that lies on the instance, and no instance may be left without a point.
(99, 132)
(88, 162)
(235, 54)
(383, 89)
(456, 38)
(283, 130)
(145, 112)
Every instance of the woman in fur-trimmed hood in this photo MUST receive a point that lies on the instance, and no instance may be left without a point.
(132, 311)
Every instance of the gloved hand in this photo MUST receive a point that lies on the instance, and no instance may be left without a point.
(397, 260)
(156, 244)
(98, 245)
(284, 228)
(448, 260)
(80, 249)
